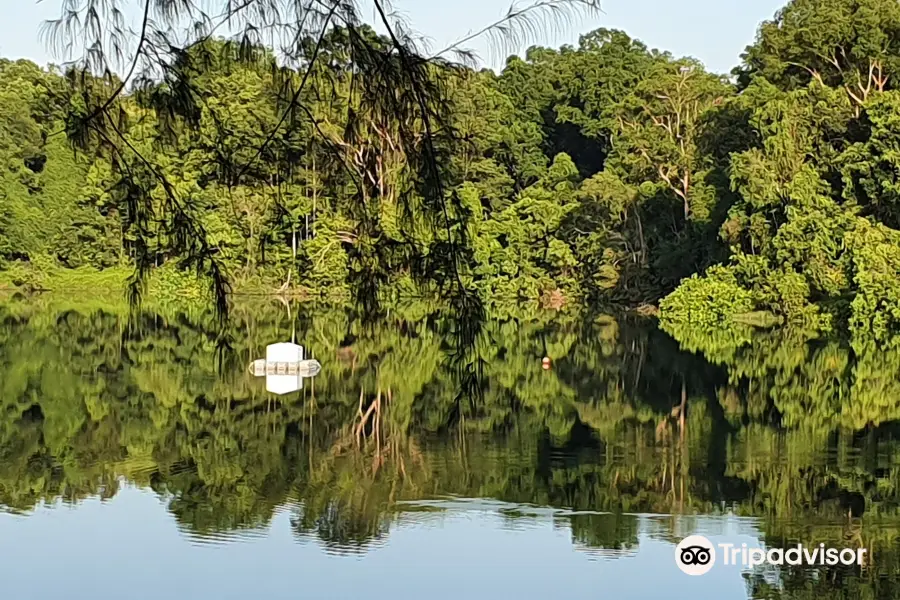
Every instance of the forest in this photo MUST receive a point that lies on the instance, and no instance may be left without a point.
(604, 174)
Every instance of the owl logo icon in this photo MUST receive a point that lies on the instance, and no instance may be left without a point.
(695, 555)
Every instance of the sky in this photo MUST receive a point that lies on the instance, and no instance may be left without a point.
(713, 31)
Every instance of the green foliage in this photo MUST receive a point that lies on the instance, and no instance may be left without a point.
(606, 174)
(811, 227)
(708, 302)
(841, 43)
(875, 309)
(539, 157)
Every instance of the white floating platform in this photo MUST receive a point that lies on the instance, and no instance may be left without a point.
(284, 352)
(284, 368)
(305, 368)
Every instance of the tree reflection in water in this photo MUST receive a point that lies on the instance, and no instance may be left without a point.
(778, 427)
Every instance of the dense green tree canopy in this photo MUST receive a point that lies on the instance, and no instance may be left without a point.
(605, 174)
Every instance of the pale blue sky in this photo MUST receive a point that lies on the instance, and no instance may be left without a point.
(714, 31)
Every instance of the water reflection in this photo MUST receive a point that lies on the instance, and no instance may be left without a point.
(770, 441)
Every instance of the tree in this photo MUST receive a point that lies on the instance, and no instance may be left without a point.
(389, 78)
(849, 44)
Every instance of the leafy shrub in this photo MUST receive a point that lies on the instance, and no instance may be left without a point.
(709, 301)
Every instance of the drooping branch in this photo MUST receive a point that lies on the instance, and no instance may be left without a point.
(378, 83)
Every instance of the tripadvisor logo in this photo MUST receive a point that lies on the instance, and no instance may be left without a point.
(696, 555)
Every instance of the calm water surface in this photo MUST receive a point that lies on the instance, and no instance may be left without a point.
(135, 462)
